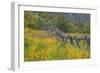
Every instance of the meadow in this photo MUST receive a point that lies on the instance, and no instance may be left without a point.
(39, 46)
(56, 36)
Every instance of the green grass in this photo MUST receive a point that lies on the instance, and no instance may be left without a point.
(39, 46)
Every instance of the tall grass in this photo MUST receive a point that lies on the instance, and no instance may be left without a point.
(37, 48)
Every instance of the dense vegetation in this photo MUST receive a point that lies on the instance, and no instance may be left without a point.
(38, 45)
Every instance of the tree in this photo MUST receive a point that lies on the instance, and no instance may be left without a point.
(30, 19)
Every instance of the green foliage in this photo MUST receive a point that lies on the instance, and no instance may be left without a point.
(30, 19)
(62, 22)
(39, 20)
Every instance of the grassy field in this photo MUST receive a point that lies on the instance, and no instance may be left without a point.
(38, 46)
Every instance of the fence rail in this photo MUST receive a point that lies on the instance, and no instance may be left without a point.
(68, 38)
